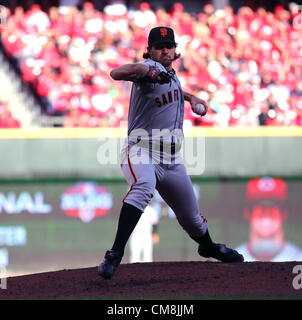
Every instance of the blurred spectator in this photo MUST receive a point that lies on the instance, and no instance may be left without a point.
(266, 212)
(248, 65)
(263, 115)
(6, 118)
(142, 239)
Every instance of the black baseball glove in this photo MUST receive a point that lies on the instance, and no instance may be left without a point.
(156, 76)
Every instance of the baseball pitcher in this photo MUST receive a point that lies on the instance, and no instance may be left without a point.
(151, 158)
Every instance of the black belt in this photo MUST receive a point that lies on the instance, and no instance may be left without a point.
(173, 148)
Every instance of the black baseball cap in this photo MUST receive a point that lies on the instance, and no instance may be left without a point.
(161, 35)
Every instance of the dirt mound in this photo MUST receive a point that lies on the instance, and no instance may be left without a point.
(158, 279)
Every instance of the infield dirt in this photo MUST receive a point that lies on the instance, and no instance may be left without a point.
(143, 280)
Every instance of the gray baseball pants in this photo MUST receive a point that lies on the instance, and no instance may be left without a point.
(173, 184)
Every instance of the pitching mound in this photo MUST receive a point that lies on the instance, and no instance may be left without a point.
(160, 279)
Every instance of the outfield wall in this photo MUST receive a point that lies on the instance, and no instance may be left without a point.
(218, 152)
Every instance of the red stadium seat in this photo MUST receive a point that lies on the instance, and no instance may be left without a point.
(247, 66)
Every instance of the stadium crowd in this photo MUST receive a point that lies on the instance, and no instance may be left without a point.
(7, 120)
(247, 65)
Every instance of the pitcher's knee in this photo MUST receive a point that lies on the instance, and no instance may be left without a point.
(140, 194)
(196, 227)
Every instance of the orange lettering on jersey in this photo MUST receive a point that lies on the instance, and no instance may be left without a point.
(175, 95)
(158, 102)
(170, 96)
(167, 98)
(165, 101)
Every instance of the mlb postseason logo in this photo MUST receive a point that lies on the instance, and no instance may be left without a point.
(3, 16)
(297, 21)
(3, 280)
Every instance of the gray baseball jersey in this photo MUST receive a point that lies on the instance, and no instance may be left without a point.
(151, 157)
(155, 106)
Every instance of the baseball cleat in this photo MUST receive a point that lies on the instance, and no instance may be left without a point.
(220, 252)
(111, 261)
